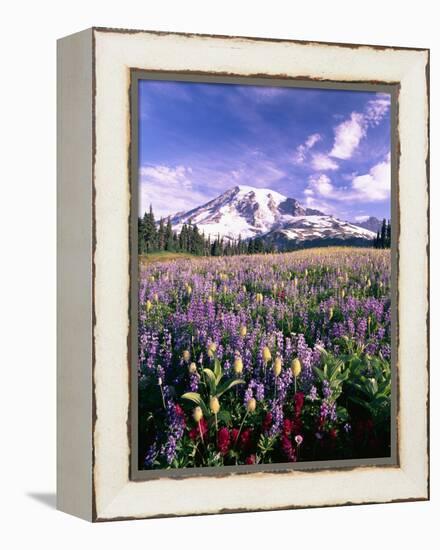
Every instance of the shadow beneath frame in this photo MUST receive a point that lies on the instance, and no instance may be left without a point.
(48, 499)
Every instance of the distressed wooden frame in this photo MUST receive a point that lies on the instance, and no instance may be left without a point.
(94, 69)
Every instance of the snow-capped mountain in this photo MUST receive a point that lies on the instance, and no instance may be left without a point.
(252, 212)
(371, 223)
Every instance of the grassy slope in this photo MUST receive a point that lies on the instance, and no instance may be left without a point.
(163, 257)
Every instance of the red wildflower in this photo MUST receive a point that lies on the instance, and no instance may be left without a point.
(267, 422)
(195, 432)
(298, 403)
(287, 448)
(333, 433)
(287, 426)
(234, 435)
(251, 459)
(223, 440)
(245, 441)
(297, 426)
(178, 410)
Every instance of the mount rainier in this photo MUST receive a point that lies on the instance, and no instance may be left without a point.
(250, 212)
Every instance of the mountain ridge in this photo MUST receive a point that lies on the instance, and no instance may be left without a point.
(248, 212)
(372, 223)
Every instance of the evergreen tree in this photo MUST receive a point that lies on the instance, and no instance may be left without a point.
(161, 236)
(176, 246)
(388, 235)
(169, 242)
(383, 237)
(194, 241)
(383, 233)
(147, 235)
(215, 248)
(258, 246)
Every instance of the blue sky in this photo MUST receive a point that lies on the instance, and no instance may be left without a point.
(329, 149)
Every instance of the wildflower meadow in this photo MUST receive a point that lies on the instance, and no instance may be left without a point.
(271, 358)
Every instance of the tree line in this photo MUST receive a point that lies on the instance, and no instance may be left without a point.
(383, 237)
(153, 237)
(156, 237)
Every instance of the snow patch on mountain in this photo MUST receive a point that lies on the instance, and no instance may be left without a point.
(250, 212)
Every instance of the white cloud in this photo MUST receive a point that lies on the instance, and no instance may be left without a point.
(168, 189)
(376, 185)
(361, 218)
(321, 184)
(172, 189)
(348, 134)
(264, 93)
(301, 151)
(318, 204)
(300, 154)
(312, 140)
(162, 174)
(323, 162)
(255, 172)
(377, 108)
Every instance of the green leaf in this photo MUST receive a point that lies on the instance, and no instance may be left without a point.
(342, 414)
(218, 372)
(224, 416)
(319, 373)
(192, 396)
(359, 401)
(227, 385)
(197, 399)
(211, 380)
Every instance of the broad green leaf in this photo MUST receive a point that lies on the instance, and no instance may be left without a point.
(227, 385)
(193, 396)
(218, 372)
(197, 399)
(359, 401)
(224, 416)
(211, 380)
(319, 373)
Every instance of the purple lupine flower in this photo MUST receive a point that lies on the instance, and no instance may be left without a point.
(313, 394)
(326, 390)
(150, 455)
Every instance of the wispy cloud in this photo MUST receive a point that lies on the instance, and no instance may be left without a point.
(322, 162)
(349, 133)
(373, 186)
(167, 175)
(169, 189)
(347, 136)
(376, 185)
(321, 185)
(377, 108)
(302, 150)
(198, 139)
(263, 94)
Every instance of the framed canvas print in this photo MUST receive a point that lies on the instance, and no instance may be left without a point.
(242, 274)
